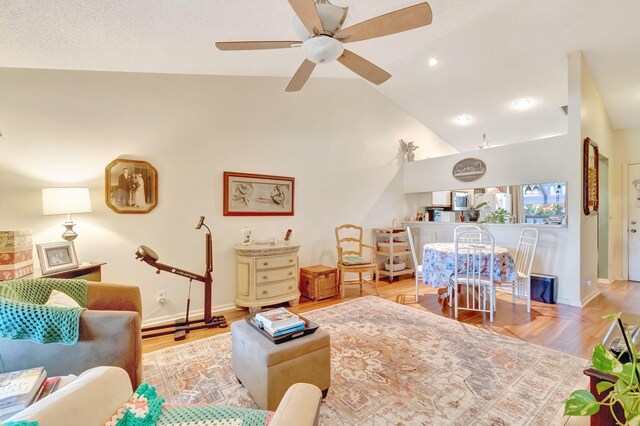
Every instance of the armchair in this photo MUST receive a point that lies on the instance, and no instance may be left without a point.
(109, 335)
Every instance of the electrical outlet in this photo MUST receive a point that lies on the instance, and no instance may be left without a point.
(589, 283)
(161, 297)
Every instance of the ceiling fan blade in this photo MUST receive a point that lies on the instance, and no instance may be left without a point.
(308, 14)
(256, 45)
(363, 68)
(301, 76)
(395, 22)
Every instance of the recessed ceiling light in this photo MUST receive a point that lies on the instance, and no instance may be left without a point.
(462, 120)
(433, 61)
(522, 104)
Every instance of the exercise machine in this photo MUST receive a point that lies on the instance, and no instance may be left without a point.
(181, 327)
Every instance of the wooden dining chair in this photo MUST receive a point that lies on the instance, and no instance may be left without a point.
(350, 260)
(416, 264)
(475, 249)
(527, 245)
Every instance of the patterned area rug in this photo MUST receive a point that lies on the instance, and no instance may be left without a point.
(392, 364)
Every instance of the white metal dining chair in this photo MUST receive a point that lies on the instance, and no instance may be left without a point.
(475, 249)
(527, 245)
(462, 228)
(418, 266)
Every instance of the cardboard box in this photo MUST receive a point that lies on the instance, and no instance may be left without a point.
(318, 282)
(16, 254)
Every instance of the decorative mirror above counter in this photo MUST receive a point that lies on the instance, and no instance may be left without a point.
(530, 203)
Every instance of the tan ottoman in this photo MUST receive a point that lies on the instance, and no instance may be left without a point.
(267, 370)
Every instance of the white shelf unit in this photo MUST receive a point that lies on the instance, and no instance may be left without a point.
(398, 247)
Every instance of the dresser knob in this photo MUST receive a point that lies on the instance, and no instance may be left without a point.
(265, 263)
(264, 277)
(290, 273)
(264, 291)
(290, 287)
(290, 260)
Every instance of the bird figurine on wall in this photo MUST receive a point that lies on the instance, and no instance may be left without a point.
(408, 148)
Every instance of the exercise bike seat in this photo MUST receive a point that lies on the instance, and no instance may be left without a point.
(146, 254)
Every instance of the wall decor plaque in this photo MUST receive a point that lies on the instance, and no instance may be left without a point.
(590, 190)
(247, 194)
(469, 169)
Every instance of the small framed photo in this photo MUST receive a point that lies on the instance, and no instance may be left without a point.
(248, 194)
(57, 257)
(131, 186)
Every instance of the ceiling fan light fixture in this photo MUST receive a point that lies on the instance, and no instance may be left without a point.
(331, 16)
(322, 49)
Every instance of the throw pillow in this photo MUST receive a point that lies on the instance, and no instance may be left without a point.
(58, 299)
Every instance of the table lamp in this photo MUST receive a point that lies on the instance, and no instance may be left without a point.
(66, 201)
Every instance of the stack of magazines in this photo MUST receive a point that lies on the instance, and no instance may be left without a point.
(279, 322)
(19, 389)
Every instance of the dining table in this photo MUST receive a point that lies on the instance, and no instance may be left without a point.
(439, 260)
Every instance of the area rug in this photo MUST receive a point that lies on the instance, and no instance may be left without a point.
(393, 364)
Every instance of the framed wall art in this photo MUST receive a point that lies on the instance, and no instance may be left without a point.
(590, 170)
(56, 257)
(248, 194)
(131, 186)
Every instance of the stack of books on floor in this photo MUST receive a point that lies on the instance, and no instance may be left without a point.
(19, 389)
(279, 322)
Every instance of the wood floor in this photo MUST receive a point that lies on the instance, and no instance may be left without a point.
(565, 328)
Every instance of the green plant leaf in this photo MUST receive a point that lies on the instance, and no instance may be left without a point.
(634, 420)
(603, 360)
(603, 386)
(581, 403)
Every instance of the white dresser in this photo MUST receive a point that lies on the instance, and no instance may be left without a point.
(267, 275)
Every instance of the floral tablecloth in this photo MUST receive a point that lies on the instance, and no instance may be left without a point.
(438, 263)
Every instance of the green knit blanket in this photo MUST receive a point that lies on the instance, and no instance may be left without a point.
(24, 316)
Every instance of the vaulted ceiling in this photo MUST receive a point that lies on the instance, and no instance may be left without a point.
(490, 53)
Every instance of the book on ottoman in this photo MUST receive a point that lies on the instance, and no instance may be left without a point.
(276, 319)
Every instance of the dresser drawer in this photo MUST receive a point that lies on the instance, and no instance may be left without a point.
(277, 289)
(276, 261)
(268, 276)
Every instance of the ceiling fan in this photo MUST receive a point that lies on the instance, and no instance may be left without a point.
(319, 26)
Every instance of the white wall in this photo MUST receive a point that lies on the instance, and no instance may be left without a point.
(337, 137)
(627, 148)
(594, 124)
(528, 162)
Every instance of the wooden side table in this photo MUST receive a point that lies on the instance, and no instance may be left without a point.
(267, 275)
(90, 272)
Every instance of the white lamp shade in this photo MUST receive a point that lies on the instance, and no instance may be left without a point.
(322, 49)
(65, 200)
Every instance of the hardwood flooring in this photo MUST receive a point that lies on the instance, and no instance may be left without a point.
(565, 328)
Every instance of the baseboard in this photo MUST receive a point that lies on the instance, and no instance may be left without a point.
(196, 313)
(590, 297)
(605, 281)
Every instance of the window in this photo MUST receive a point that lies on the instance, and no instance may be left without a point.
(544, 202)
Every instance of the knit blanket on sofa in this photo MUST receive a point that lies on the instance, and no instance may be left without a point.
(24, 316)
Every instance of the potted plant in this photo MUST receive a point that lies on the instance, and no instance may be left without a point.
(473, 214)
(499, 216)
(623, 391)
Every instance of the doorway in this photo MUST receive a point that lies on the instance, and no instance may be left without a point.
(603, 219)
(632, 225)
